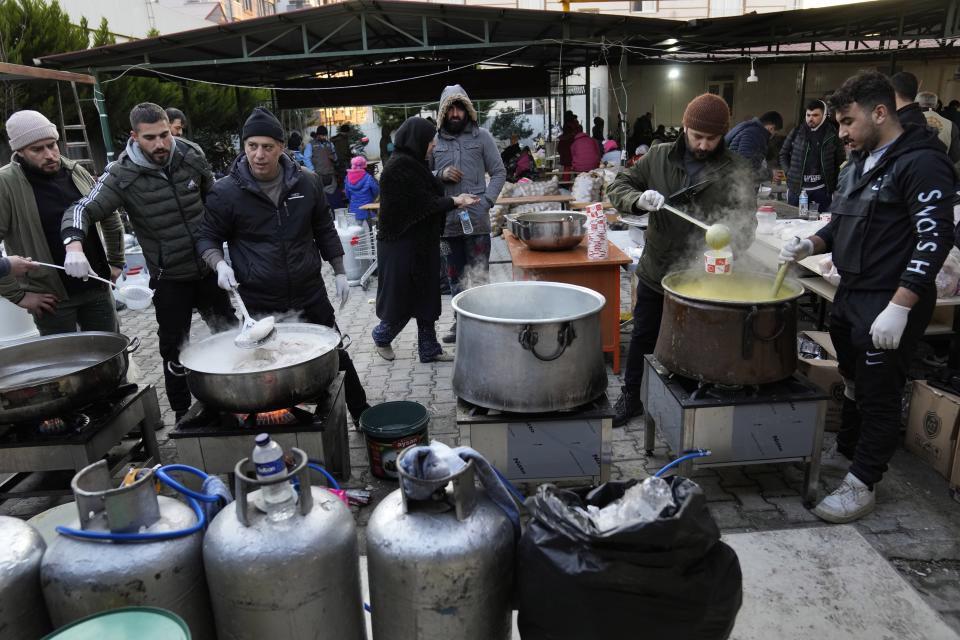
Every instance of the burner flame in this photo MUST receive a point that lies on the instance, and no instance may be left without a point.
(278, 417)
(52, 426)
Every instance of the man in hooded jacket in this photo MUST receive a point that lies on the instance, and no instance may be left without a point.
(812, 155)
(161, 181)
(462, 157)
(890, 231)
(274, 217)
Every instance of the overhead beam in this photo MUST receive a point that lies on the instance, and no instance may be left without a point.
(271, 41)
(40, 73)
(389, 24)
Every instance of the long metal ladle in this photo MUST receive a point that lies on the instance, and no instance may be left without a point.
(248, 339)
(718, 235)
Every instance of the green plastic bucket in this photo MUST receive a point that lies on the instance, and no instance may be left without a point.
(128, 623)
(391, 427)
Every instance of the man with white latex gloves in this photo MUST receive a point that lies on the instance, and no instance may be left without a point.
(650, 200)
(891, 229)
(274, 217)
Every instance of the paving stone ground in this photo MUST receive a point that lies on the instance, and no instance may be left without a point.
(916, 525)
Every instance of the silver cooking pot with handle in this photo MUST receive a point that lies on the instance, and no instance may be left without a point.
(52, 375)
(529, 347)
(295, 367)
(549, 230)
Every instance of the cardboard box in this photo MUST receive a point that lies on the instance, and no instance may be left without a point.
(932, 427)
(824, 374)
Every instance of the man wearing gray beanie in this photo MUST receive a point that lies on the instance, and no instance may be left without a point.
(34, 189)
(274, 217)
(161, 181)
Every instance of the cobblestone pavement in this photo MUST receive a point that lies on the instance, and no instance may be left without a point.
(916, 525)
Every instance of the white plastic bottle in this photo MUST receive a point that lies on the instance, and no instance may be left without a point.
(278, 499)
(804, 205)
(465, 222)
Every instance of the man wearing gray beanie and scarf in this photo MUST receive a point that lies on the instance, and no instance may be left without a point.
(34, 189)
(161, 181)
(274, 217)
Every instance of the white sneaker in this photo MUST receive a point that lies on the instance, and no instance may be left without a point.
(850, 501)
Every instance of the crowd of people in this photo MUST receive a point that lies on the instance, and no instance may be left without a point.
(877, 153)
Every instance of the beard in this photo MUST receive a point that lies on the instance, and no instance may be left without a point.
(48, 167)
(454, 126)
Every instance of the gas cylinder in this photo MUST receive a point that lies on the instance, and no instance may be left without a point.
(81, 577)
(295, 578)
(22, 612)
(441, 568)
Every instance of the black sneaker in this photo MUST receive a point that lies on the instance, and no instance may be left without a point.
(628, 405)
(355, 415)
(451, 336)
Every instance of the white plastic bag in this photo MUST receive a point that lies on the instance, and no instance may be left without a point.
(949, 277)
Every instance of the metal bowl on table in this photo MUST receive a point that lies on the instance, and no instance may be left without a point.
(549, 230)
(296, 367)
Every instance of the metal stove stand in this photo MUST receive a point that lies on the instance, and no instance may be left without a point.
(772, 423)
(112, 420)
(561, 447)
(215, 440)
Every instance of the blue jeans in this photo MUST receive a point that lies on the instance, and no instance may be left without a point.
(468, 259)
(427, 345)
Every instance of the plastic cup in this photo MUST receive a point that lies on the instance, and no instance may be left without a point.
(718, 261)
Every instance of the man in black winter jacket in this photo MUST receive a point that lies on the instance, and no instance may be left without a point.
(891, 230)
(811, 155)
(750, 139)
(274, 217)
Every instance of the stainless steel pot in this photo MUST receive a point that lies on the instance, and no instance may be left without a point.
(549, 230)
(52, 375)
(246, 380)
(529, 347)
(721, 339)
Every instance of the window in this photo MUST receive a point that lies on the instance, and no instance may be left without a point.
(722, 88)
(644, 6)
(248, 5)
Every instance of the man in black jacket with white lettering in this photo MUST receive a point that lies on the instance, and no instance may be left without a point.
(891, 230)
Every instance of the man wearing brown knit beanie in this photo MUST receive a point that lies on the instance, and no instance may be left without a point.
(705, 179)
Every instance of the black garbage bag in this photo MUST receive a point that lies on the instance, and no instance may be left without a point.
(669, 578)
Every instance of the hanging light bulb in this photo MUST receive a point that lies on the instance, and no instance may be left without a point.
(753, 74)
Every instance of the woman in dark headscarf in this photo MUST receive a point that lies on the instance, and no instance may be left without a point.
(412, 212)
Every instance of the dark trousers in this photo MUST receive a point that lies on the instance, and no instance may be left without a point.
(467, 261)
(321, 312)
(643, 338)
(427, 345)
(91, 310)
(871, 429)
(174, 302)
(823, 197)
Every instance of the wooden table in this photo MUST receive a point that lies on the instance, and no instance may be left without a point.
(504, 201)
(573, 267)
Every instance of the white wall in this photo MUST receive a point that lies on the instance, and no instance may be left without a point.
(129, 18)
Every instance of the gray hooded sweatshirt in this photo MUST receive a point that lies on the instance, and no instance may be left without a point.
(475, 153)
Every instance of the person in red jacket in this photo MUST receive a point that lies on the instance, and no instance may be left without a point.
(584, 152)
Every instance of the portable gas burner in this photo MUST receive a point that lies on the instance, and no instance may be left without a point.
(215, 440)
(777, 422)
(565, 447)
(79, 438)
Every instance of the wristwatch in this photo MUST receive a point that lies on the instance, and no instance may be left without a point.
(67, 241)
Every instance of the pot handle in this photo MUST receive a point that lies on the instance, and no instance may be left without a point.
(345, 342)
(528, 339)
(133, 346)
(750, 332)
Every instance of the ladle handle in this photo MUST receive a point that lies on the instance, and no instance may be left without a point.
(781, 274)
(242, 307)
(685, 216)
(90, 275)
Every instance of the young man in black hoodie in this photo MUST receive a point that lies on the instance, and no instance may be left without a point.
(891, 230)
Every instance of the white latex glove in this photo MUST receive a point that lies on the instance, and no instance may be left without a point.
(888, 328)
(650, 200)
(343, 289)
(226, 279)
(796, 249)
(76, 264)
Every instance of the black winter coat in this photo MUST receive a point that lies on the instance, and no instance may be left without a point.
(412, 214)
(893, 226)
(793, 156)
(275, 251)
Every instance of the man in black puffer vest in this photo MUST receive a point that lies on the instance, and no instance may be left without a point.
(161, 181)
(892, 228)
(812, 155)
(274, 217)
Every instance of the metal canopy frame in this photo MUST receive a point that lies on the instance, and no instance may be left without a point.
(404, 39)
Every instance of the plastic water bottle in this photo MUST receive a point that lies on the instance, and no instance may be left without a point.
(804, 205)
(278, 499)
(465, 223)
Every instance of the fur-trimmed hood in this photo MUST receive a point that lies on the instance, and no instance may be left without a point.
(451, 94)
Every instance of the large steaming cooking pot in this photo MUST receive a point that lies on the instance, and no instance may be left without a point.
(529, 347)
(728, 329)
(52, 375)
(296, 367)
(549, 230)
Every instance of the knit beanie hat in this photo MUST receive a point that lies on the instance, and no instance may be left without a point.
(262, 123)
(358, 162)
(707, 113)
(26, 127)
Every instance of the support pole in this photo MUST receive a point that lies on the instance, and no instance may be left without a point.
(587, 95)
(99, 100)
(801, 110)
